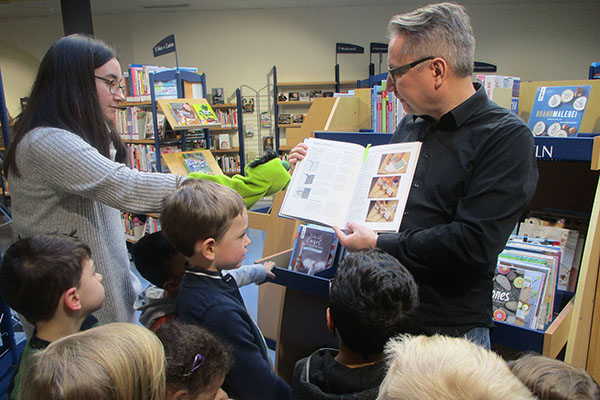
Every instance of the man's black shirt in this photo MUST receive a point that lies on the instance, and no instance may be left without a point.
(475, 175)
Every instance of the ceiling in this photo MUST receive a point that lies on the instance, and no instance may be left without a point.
(45, 8)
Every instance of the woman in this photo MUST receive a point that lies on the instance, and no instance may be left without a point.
(112, 362)
(64, 165)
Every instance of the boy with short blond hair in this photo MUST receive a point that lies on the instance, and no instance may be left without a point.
(207, 223)
(51, 280)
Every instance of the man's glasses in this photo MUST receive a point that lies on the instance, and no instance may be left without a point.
(113, 86)
(399, 72)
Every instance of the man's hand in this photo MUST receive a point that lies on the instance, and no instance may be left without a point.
(268, 266)
(297, 154)
(359, 237)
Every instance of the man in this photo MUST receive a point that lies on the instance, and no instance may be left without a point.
(475, 175)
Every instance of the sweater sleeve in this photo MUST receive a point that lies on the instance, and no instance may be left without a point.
(251, 376)
(247, 274)
(71, 165)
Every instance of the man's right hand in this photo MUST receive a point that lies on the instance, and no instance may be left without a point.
(297, 154)
(359, 237)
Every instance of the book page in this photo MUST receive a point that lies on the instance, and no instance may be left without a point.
(384, 185)
(322, 184)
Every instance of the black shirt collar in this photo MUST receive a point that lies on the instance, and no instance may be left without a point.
(455, 118)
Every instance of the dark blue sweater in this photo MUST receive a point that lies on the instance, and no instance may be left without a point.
(213, 302)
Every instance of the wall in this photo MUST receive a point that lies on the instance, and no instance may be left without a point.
(550, 41)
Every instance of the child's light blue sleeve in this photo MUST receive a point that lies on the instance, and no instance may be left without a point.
(247, 274)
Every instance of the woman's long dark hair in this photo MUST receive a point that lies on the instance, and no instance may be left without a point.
(64, 96)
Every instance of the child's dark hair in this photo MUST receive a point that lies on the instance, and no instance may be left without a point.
(152, 258)
(372, 298)
(199, 209)
(182, 343)
(551, 379)
(37, 270)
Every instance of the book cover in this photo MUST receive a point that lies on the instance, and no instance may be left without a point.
(282, 97)
(293, 96)
(248, 104)
(188, 113)
(218, 96)
(314, 94)
(304, 96)
(184, 114)
(339, 182)
(196, 162)
(285, 119)
(298, 118)
(313, 249)
(517, 293)
(558, 110)
(224, 143)
(205, 113)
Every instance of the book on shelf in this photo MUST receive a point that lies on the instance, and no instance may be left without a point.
(182, 163)
(338, 182)
(328, 94)
(298, 118)
(184, 113)
(218, 96)
(224, 142)
(567, 241)
(293, 96)
(282, 96)
(314, 249)
(137, 82)
(285, 119)
(303, 96)
(492, 82)
(518, 291)
(316, 93)
(558, 110)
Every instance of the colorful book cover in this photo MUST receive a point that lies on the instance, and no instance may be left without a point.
(184, 114)
(206, 115)
(558, 110)
(196, 162)
(313, 249)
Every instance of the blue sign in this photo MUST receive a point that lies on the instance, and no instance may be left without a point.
(165, 46)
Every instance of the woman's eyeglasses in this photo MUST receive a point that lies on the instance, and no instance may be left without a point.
(113, 86)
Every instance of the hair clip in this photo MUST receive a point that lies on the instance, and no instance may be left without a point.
(198, 361)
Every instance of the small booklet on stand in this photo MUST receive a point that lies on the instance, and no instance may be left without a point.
(339, 182)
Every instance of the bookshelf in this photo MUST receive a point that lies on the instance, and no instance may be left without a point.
(282, 105)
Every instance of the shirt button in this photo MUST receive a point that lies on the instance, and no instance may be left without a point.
(405, 212)
(426, 155)
(417, 185)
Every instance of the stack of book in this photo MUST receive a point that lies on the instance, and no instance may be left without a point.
(534, 267)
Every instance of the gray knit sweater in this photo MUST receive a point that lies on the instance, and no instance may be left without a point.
(66, 184)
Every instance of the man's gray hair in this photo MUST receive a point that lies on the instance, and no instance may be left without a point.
(439, 30)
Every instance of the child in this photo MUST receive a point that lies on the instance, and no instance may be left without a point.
(207, 223)
(372, 298)
(51, 280)
(163, 266)
(446, 368)
(197, 362)
(551, 379)
(112, 362)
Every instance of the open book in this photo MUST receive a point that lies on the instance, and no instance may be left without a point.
(339, 182)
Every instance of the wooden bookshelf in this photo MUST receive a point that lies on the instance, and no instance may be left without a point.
(228, 105)
(126, 104)
(315, 84)
(295, 103)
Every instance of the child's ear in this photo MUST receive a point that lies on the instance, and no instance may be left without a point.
(206, 248)
(330, 325)
(71, 300)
